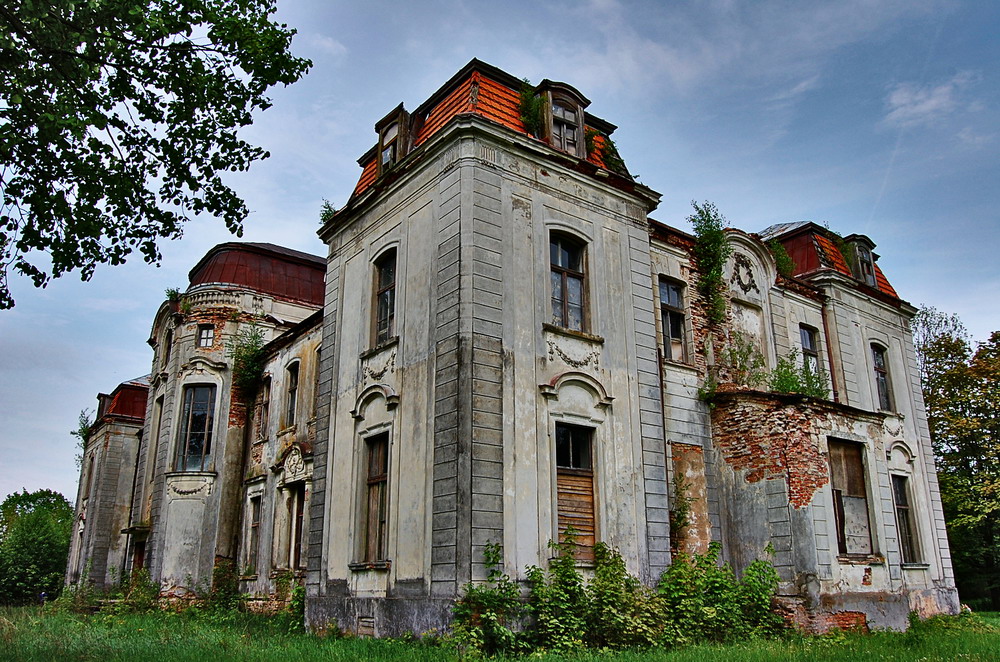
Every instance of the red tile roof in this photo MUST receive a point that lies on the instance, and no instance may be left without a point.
(478, 89)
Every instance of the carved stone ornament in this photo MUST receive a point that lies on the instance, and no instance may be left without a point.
(743, 274)
(294, 465)
(376, 374)
(589, 359)
(189, 487)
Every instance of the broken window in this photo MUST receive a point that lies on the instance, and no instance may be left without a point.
(291, 393)
(567, 260)
(672, 319)
(565, 127)
(376, 506)
(263, 409)
(850, 497)
(810, 348)
(253, 543)
(296, 515)
(575, 487)
(866, 265)
(904, 519)
(385, 297)
(883, 385)
(389, 148)
(206, 335)
(194, 445)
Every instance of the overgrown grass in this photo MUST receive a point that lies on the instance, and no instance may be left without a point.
(31, 634)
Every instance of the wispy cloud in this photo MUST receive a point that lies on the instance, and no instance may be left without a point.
(909, 105)
(326, 45)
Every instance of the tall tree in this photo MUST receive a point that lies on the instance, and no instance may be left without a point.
(34, 543)
(961, 387)
(118, 119)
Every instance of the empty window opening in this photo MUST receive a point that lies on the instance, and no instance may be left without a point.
(850, 498)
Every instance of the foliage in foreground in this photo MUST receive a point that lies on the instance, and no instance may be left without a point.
(29, 634)
(34, 543)
(697, 599)
(118, 119)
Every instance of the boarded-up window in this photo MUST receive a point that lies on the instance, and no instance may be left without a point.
(575, 487)
(850, 497)
(376, 501)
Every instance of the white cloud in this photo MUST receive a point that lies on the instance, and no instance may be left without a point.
(326, 45)
(909, 104)
(973, 138)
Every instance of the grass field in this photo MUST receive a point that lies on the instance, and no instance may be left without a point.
(30, 634)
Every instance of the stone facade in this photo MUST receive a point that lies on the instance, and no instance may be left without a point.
(506, 345)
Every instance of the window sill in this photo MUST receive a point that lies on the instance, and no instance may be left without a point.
(363, 566)
(861, 559)
(916, 566)
(391, 342)
(680, 365)
(572, 333)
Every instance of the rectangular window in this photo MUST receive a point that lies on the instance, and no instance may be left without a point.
(575, 487)
(263, 410)
(291, 393)
(672, 319)
(850, 497)
(564, 128)
(376, 498)
(810, 348)
(566, 258)
(206, 335)
(904, 519)
(296, 516)
(385, 298)
(195, 441)
(883, 386)
(866, 265)
(253, 544)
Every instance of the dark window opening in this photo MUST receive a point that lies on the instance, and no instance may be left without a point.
(296, 516)
(866, 265)
(568, 290)
(672, 320)
(565, 127)
(575, 487)
(904, 520)
(253, 544)
(385, 298)
(850, 498)
(883, 386)
(376, 501)
(291, 394)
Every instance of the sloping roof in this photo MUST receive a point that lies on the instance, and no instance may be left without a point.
(128, 400)
(281, 272)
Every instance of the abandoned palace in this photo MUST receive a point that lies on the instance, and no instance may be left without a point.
(501, 344)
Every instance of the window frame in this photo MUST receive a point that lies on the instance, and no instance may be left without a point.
(384, 318)
(906, 529)
(564, 130)
(296, 518)
(206, 336)
(884, 400)
(866, 265)
(291, 392)
(375, 499)
(253, 534)
(559, 242)
(810, 351)
(182, 461)
(673, 314)
(837, 490)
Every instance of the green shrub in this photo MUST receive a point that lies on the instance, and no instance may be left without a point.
(711, 250)
(486, 611)
(621, 612)
(557, 600)
(793, 376)
(782, 260)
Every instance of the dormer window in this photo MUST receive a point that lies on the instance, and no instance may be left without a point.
(389, 146)
(866, 266)
(565, 129)
(565, 117)
(392, 136)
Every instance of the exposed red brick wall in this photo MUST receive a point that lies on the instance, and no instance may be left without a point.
(799, 617)
(689, 462)
(769, 437)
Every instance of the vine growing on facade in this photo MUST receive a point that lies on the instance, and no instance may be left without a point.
(246, 349)
(711, 250)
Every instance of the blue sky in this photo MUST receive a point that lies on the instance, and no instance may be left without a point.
(872, 116)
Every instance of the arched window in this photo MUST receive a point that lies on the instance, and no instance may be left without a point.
(291, 392)
(385, 298)
(567, 256)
